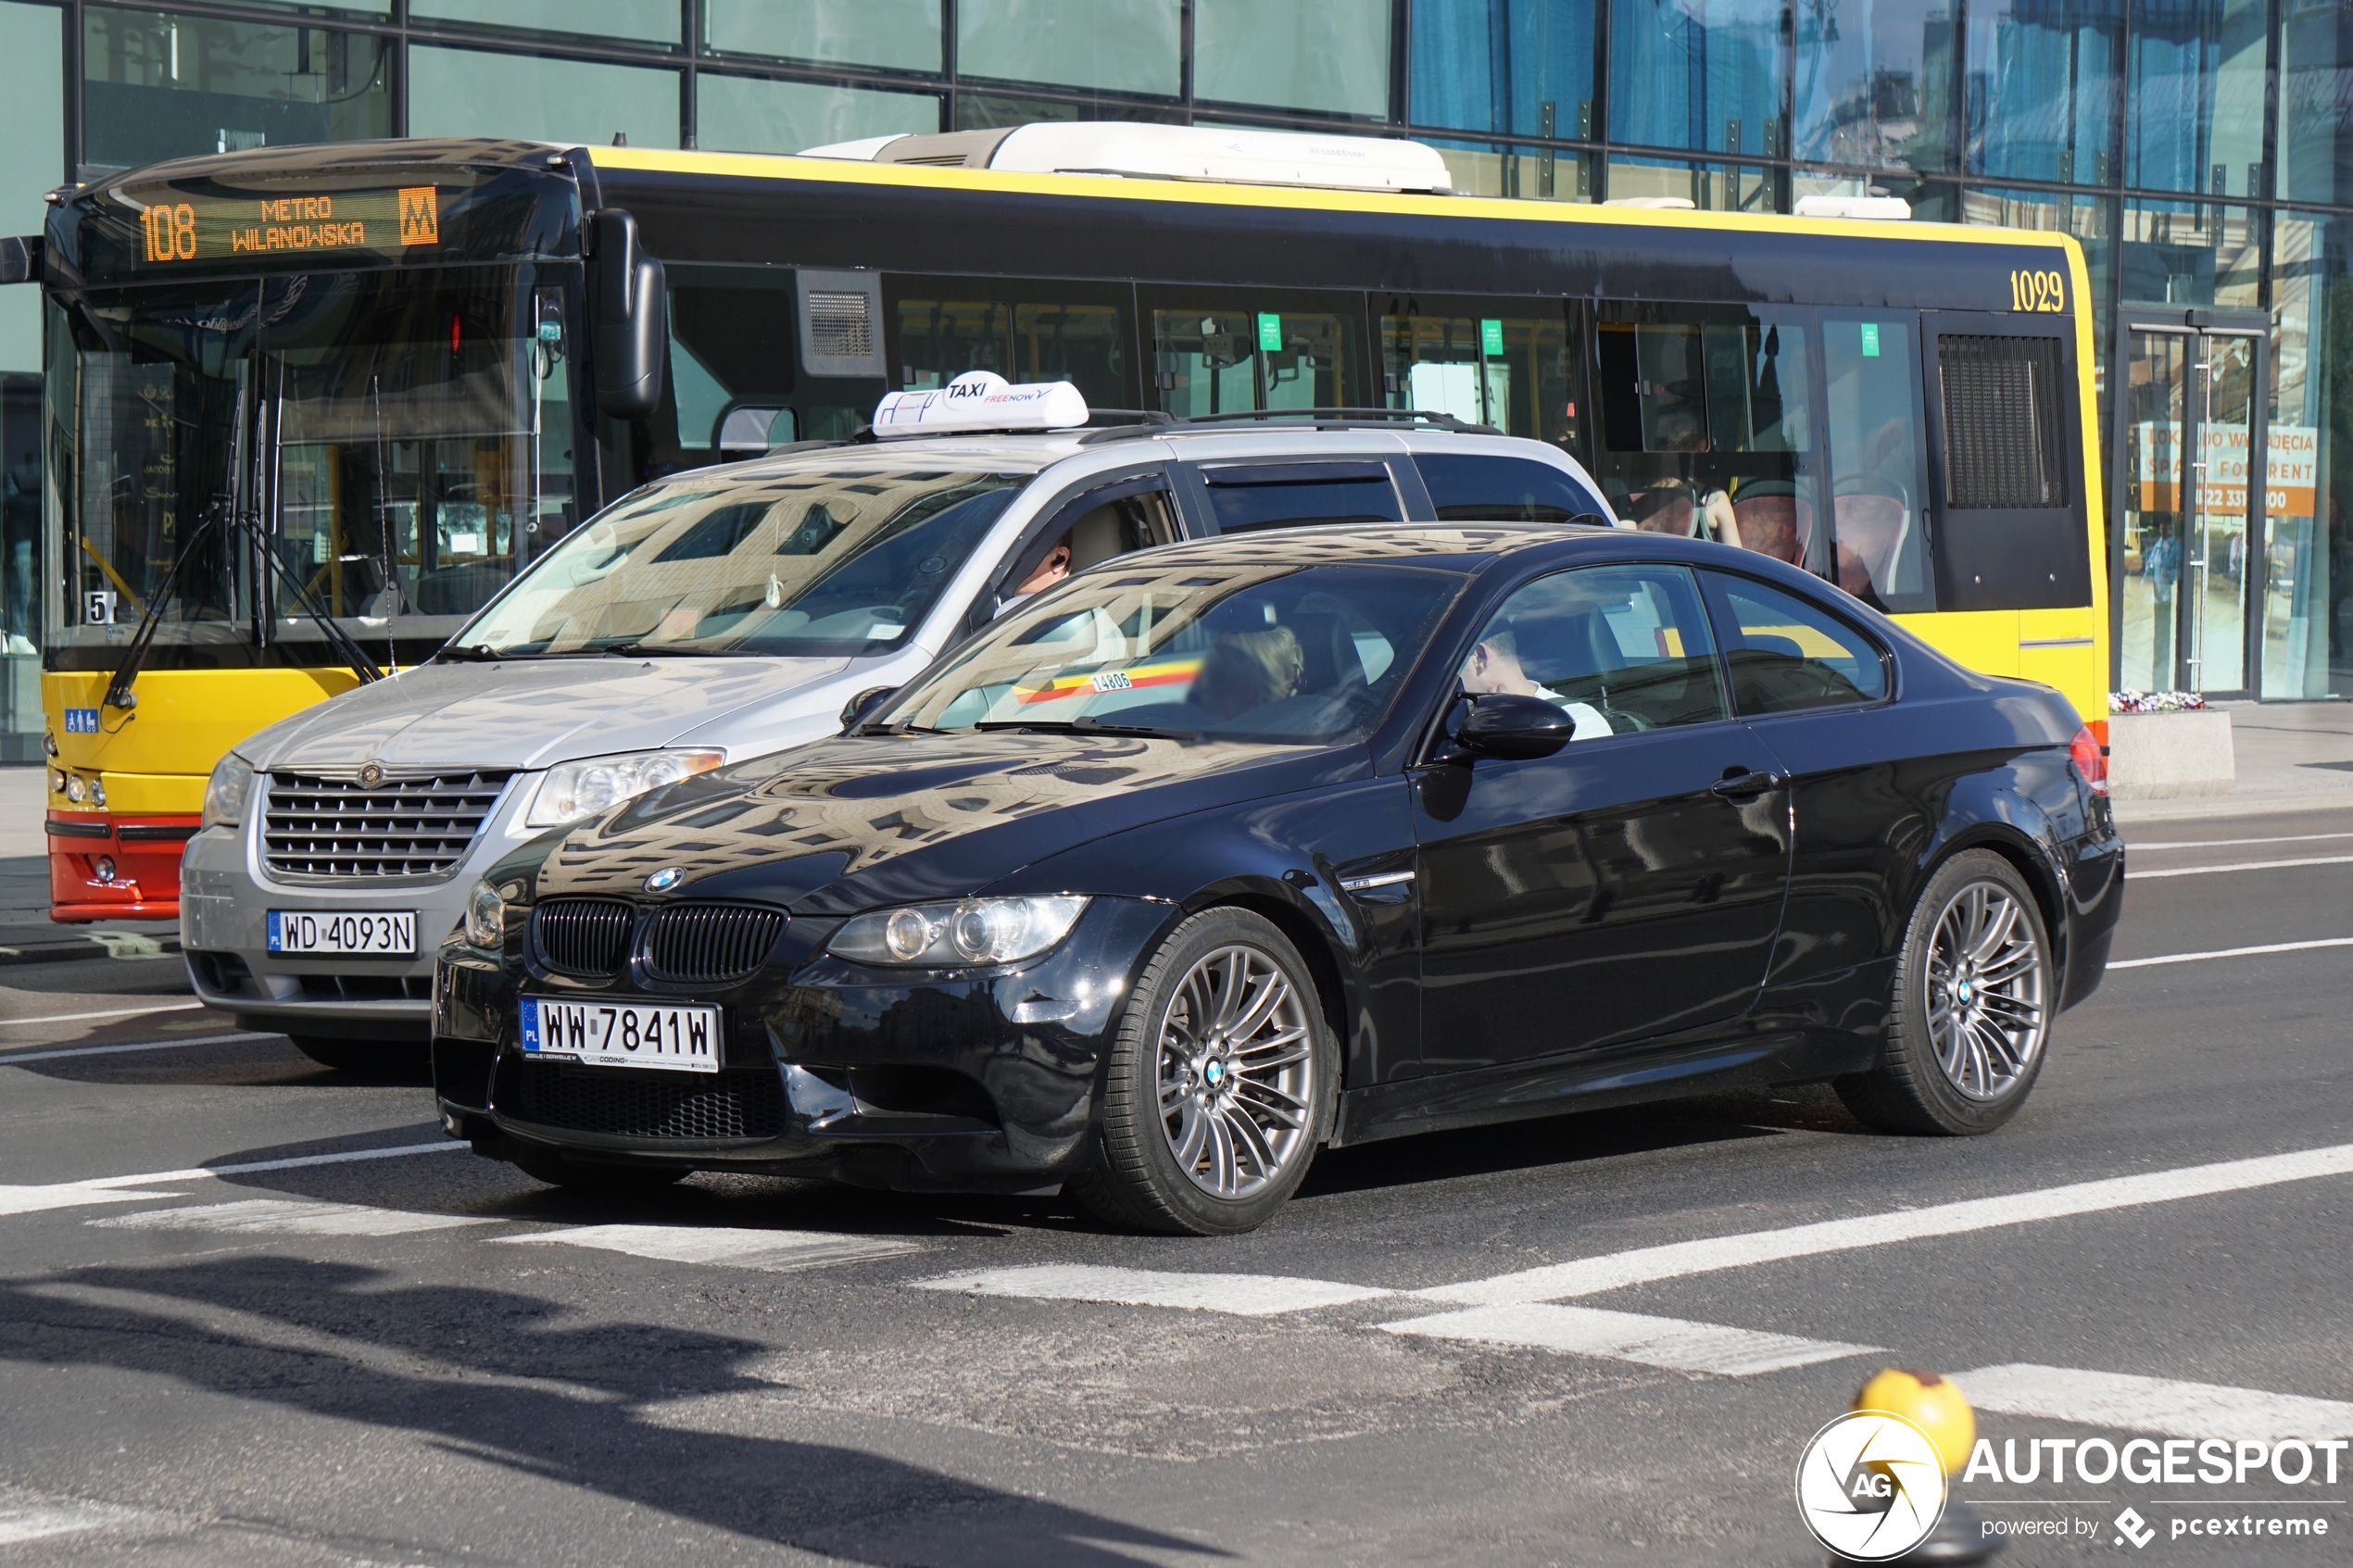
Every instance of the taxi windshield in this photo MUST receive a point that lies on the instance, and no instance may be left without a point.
(811, 561)
(1276, 654)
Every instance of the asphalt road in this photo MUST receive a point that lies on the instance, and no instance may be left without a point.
(257, 1357)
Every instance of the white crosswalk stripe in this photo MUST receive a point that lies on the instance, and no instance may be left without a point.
(2154, 1404)
(1249, 1296)
(775, 1251)
(1591, 1276)
(1630, 1337)
(278, 1216)
(72, 1195)
(30, 1516)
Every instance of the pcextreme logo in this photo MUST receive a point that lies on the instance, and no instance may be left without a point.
(1870, 1486)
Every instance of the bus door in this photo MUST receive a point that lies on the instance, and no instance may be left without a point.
(2185, 572)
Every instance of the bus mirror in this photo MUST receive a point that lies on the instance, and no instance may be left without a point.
(632, 315)
(20, 260)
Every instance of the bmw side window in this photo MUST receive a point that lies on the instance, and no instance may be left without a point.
(1620, 648)
(1786, 655)
(1467, 487)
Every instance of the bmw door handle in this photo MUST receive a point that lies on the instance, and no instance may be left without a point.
(1735, 785)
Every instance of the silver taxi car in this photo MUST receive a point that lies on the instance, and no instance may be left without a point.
(725, 613)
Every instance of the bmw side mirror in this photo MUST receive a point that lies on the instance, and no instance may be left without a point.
(1505, 725)
(1589, 520)
(864, 706)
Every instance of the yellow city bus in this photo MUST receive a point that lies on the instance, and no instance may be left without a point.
(307, 409)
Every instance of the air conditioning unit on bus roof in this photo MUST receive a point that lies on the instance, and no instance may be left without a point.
(1167, 152)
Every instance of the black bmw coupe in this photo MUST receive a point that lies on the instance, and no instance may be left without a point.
(1224, 852)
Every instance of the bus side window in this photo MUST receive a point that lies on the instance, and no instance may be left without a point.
(1023, 330)
(1502, 362)
(1233, 351)
(1878, 545)
(1707, 423)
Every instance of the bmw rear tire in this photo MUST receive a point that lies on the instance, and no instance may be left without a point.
(1220, 1085)
(1976, 989)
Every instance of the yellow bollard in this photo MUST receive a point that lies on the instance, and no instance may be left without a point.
(1933, 1404)
(1937, 1407)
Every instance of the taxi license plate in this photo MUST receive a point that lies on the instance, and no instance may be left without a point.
(370, 934)
(620, 1034)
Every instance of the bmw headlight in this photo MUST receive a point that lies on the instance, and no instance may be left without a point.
(960, 936)
(570, 792)
(226, 792)
(486, 917)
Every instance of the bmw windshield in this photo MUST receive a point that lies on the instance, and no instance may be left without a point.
(810, 561)
(1278, 654)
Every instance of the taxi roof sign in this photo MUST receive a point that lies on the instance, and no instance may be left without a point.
(980, 400)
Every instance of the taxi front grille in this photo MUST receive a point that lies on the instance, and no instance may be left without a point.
(583, 936)
(626, 1102)
(314, 825)
(710, 943)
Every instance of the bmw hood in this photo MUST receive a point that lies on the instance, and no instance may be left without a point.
(854, 823)
(528, 713)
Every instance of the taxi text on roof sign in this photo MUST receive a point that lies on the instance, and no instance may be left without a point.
(981, 400)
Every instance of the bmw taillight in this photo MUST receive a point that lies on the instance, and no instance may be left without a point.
(2090, 757)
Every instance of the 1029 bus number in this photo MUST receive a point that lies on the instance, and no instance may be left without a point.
(2038, 291)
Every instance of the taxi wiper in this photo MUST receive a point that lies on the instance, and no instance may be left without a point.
(478, 653)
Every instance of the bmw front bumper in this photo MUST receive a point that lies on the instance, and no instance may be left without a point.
(911, 1080)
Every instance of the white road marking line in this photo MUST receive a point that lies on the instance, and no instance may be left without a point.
(775, 1251)
(1629, 1337)
(14, 1058)
(2232, 952)
(29, 1516)
(1589, 1276)
(2154, 1404)
(1249, 1296)
(123, 1189)
(72, 1195)
(2136, 846)
(109, 1012)
(278, 1216)
(2241, 865)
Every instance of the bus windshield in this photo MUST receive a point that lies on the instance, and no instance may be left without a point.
(819, 560)
(400, 437)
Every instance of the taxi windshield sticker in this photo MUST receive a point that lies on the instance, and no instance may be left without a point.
(1159, 672)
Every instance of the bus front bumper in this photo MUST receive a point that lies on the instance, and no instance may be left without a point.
(108, 867)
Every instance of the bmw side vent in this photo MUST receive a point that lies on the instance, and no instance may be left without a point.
(710, 943)
(584, 936)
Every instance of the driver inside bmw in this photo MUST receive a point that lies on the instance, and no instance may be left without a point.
(1493, 666)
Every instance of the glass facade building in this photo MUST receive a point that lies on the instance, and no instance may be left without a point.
(2201, 150)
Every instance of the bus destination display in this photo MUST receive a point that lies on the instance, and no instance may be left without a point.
(212, 228)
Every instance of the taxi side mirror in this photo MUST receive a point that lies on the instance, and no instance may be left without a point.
(1503, 725)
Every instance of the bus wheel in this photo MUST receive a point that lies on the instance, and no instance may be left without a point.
(362, 1055)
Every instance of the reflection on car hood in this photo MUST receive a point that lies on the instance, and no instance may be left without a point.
(853, 823)
(526, 713)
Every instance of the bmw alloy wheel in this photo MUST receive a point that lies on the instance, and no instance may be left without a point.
(1236, 1073)
(1986, 1011)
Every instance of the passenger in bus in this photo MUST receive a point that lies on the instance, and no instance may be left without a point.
(1771, 519)
(1692, 506)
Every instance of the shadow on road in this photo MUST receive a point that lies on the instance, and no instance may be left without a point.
(496, 1376)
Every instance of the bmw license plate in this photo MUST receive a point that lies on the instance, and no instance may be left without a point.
(375, 933)
(622, 1035)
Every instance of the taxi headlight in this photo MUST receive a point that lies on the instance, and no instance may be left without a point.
(968, 933)
(227, 791)
(571, 792)
(485, 917)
